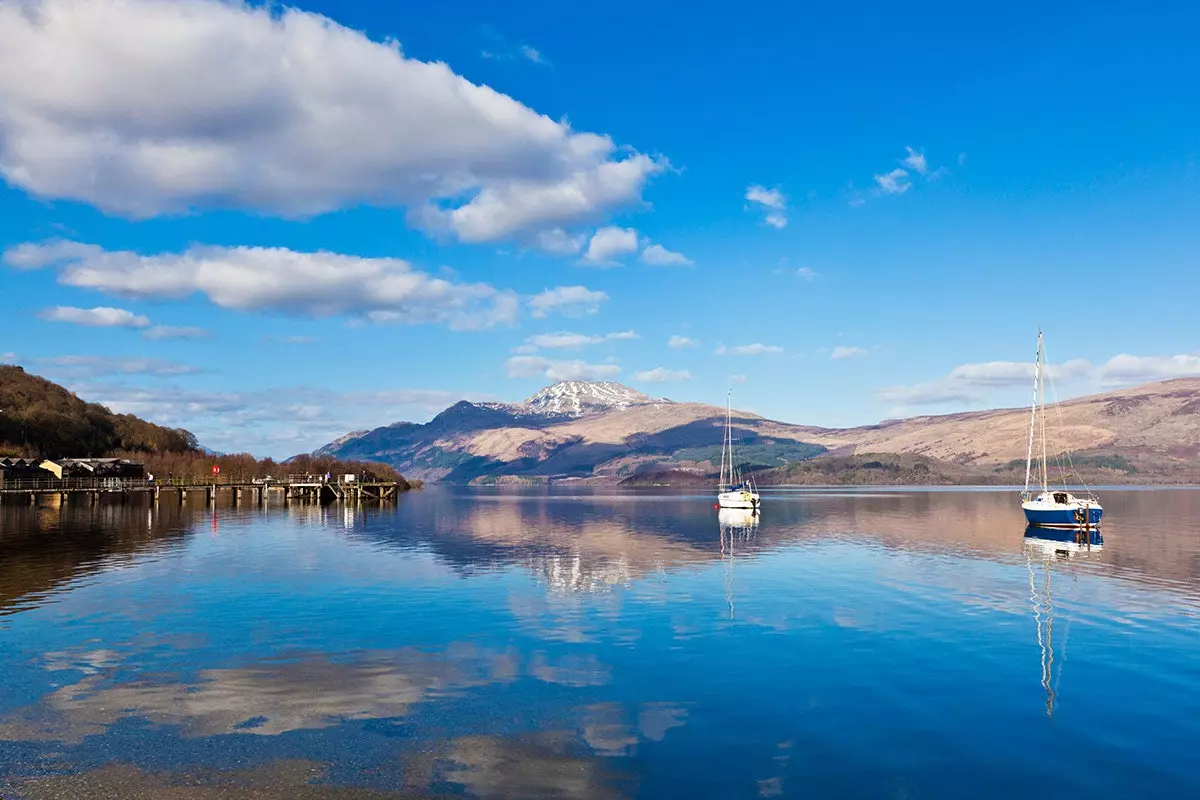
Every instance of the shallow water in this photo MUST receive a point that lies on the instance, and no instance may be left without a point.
(870, 643)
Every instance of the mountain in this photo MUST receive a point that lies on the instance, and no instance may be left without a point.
(604, 431)
(576, 429)
(579, 398)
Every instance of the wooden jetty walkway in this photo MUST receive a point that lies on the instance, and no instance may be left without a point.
(292, 488)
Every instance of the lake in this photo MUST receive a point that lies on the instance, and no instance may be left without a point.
(607, 644)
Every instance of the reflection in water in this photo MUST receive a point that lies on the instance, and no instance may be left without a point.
(266, 700)
(536, 767)
(736, 526)
(580, 645)
(281, 780)
(1048, 546)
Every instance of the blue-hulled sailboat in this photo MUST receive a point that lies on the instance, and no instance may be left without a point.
(1052, 508)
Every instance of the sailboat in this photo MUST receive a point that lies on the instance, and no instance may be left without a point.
(733, 490)
(1046, 508)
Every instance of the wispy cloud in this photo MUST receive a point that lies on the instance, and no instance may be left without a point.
(771, 198)
(571, 301)
(534, 55)
(658, 256)
(915, 161)
(662, 374)
(98, 317)
(678, 341)
(840, 353)
(557, 241)
(567, 340)
(167, 332)
(756, 349)
(280, 421)
(77, 367)
(609, 244)
(807, 273)
(969, 383)
(894, 182)
(770, 201)
(559, 370)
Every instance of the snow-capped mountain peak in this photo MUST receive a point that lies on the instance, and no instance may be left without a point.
(576, 398)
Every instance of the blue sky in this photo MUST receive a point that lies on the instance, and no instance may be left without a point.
(295, 226)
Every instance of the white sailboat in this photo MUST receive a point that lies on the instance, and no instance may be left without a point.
(1058, 508)
(733, 490)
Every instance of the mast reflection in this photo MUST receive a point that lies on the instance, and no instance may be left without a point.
(1047, 546)
(737, 526)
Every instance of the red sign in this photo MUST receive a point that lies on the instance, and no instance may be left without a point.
(216, 470)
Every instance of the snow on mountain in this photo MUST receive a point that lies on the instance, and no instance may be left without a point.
(577, 398)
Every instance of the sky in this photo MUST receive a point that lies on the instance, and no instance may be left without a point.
(275, 224)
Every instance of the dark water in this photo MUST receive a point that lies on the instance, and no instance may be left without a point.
(851, 644)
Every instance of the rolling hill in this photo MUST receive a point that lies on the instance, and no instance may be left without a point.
(607, 432)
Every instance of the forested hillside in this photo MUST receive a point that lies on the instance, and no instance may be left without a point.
(41, 418)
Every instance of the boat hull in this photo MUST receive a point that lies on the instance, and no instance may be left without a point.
(1063, 517)
(738, 500)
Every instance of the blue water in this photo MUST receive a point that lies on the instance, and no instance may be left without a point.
(901, 644)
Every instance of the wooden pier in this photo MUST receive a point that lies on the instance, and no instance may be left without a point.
(233, 491)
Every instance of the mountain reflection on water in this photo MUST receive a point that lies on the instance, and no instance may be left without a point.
(599, 644)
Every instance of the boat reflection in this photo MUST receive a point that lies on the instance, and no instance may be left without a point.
(737, 526)
(1043, 547)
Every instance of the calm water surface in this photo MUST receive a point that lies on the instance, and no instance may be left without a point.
(850, 644)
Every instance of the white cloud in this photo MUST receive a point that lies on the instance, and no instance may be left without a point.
(1124, 368)
(142, 108)
(807, 273)
(259, 421)
(577, 370)
(678, 341)
(566, 300)
(319, 284)
(43, 254)
(566, 340)
(75, 367)
(176, 332)
(658, 256)
(9, 358)
(756, 349)
(968, 383)
(840, 353)
(894, 182)
(915, 161)
(661, 374)
(534, 55)
(737, 378)
(98, 317)
(770, 200)
(962, 159)
(559, 242)
(609, 244)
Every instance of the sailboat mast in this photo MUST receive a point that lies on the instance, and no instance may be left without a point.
(1037, 375)
(1042, 404)
(724, 445)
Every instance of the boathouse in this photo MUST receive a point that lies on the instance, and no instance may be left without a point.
(20, 469)
(93, 468)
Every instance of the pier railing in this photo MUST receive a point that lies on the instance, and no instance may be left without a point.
(113, 484)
